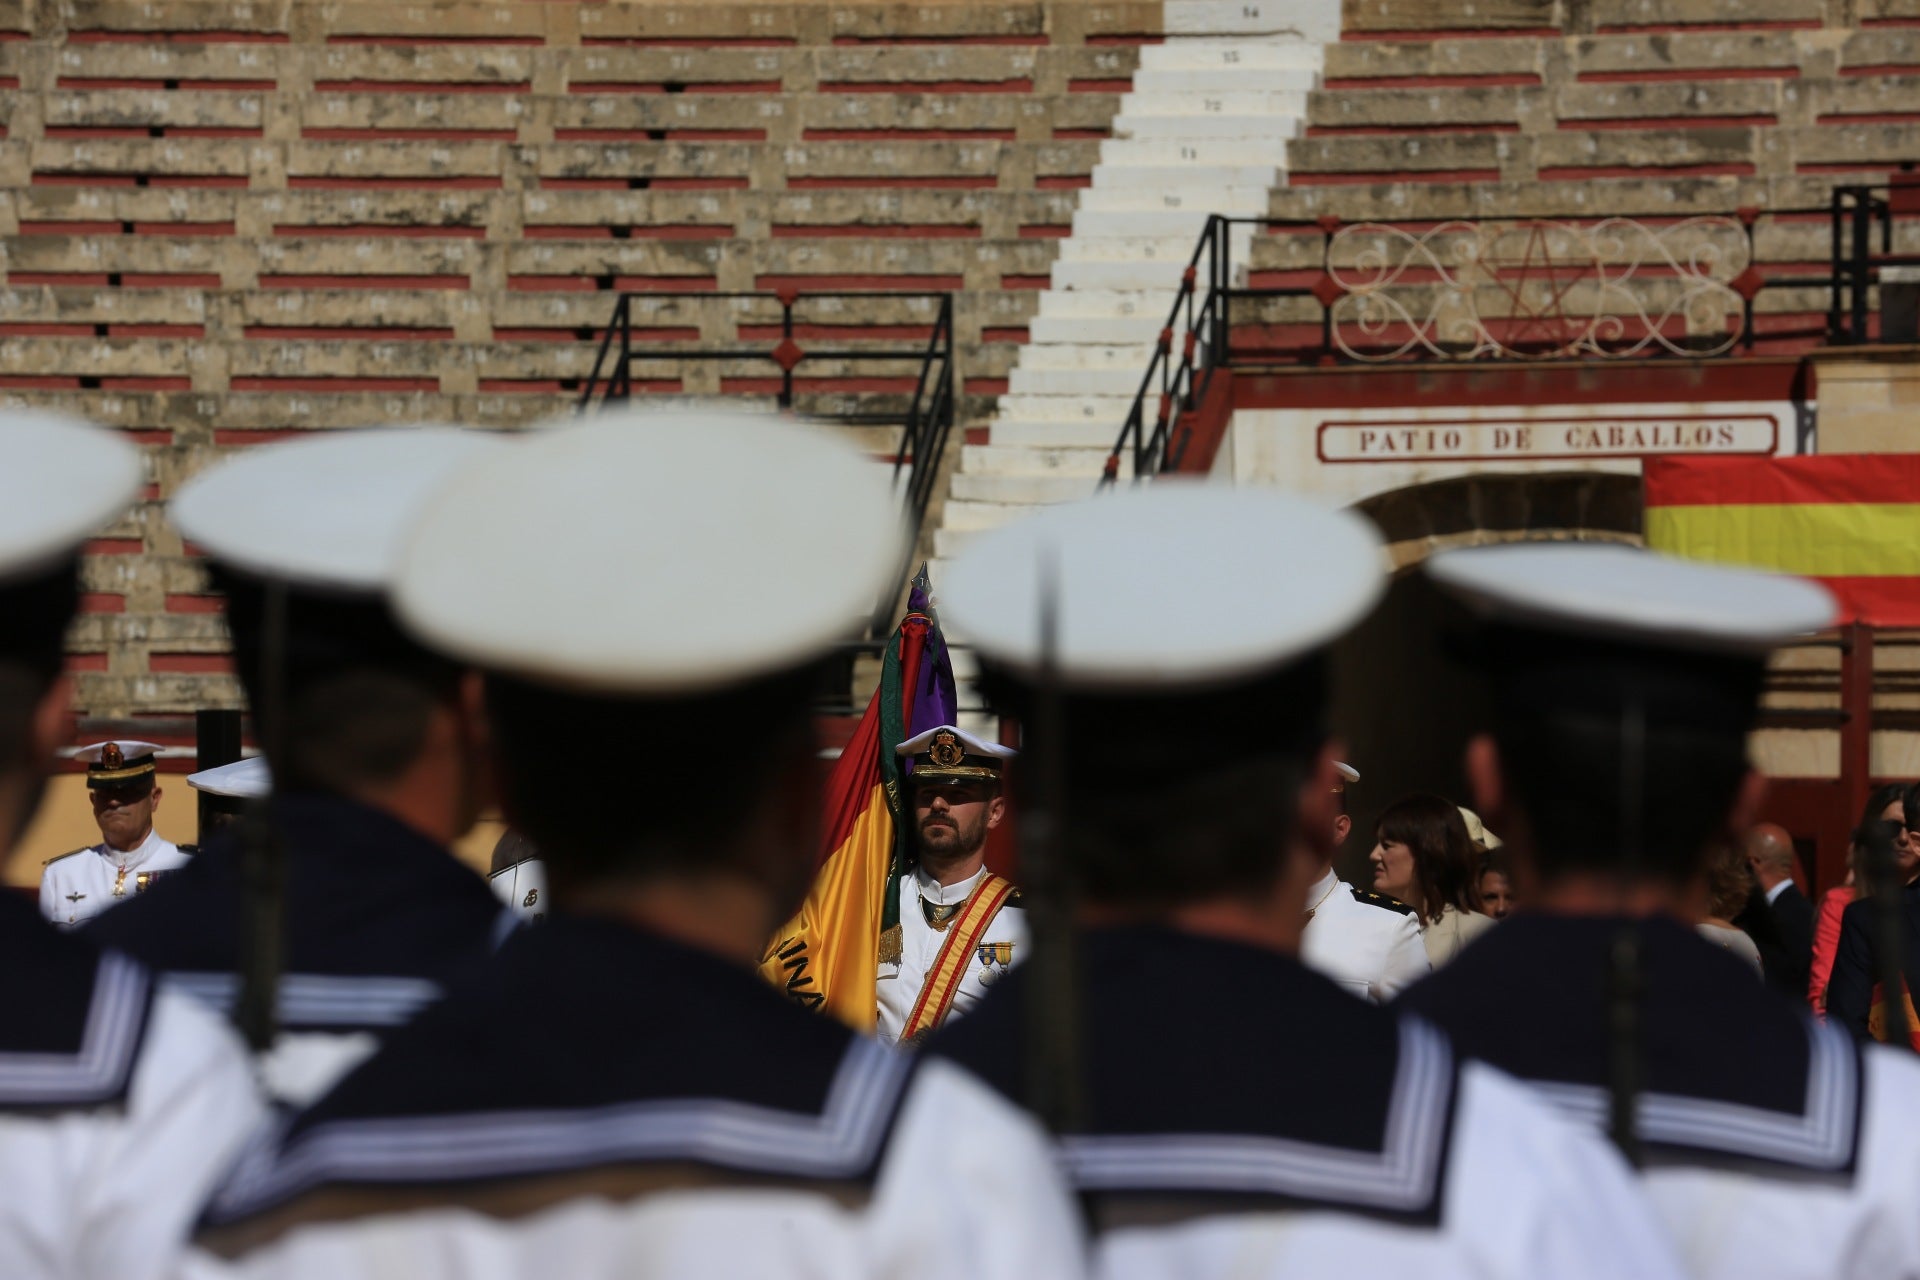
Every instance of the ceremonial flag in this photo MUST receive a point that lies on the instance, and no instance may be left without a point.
(827, 956)
(1851, 521)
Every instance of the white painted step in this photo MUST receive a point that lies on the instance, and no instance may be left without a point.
(1203, 54)
(1125, 330)
(1019, 460)
(1086, 355)
(1076, 382)
(1115, 178)
(1264, 104)
(1170, 247)
(1182, 195)
(1021, 489)
(1109, 407)
(1193, 127)
(1317, 21)
(1117, 275)
(1094, 433)
(1249, 149)
(1151, 304)
(1226, 78)
(974, 516)
(1135, 224)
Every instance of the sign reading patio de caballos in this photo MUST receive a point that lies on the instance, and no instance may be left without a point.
(1527, 439)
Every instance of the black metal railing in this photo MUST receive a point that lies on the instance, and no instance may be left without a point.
(1441, 271)
(813, 329)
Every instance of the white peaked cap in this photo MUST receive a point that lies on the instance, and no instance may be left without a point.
(327, 513)
(974, 746)
(1477, 830)
(1622, 593)
(1176, 585)
(1347, 772)
(130, 748)
(245, 779)
(653, 552)
(61, 482)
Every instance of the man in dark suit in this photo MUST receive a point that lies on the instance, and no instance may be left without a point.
(1779, 918)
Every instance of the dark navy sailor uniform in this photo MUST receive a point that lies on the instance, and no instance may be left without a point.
(119, 1107)
(610, 1102)
(1774, 1146)
(379, 919)
(1244, 1115)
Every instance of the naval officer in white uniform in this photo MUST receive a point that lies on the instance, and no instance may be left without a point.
(123, 784)
(621, 1094)
(1365, 941)
(1236, 1114)
(119, 1103)
(961, 926)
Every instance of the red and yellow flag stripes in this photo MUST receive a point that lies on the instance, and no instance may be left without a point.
(1850, 520)
(936, 997)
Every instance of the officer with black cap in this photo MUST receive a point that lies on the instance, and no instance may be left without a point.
(119, 1104)
(1624, 686)
(1237, 1113)
(623, 1094)
(375, 754)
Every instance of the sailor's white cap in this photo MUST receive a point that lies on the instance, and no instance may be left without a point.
(1348, 774)
(653, 552)
(1477, 830)
(1179, 585)
(972, 744)
(244, 779)
(327, 513)
(1613, 592)
(61, 482)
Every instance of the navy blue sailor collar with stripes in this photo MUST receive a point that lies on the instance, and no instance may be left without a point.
(589, 1045)
(380, 919)
(1735, 1075)
(1231, 1073)
(72, 1019)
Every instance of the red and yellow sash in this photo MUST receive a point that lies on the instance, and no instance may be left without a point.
(936, 997)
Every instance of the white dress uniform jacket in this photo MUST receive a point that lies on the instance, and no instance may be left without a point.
(1366, 942)
(522, 887)
(1243, 1117)
(1776, 1147)
(119, 1108)
(898, 984)
(612, 1103)
(78, 886)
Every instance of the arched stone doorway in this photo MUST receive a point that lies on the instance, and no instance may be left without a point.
(1402, 700)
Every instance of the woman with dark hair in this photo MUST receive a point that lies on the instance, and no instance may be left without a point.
(1728, 885)
(1885, 804)
(1423, 856)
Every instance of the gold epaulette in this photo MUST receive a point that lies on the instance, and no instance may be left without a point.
(50, 861)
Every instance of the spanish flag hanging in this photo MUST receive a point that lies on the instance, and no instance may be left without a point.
(827, 956)
(1851, 521)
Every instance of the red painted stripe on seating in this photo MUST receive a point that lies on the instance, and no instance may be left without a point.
(678, 231)
(409, 135)
(113, 547)
(364, 282)
(881, 231)
(685, 333)
(345, 333)
(1299, 179)
(333, 385)
(170, 280)
(102, 602)
(189, 663)
(435, 41)
(421, 86)
(1882, 69)
(1396, 130)
(146, 384)
(214, 86)
(927, 86)
(1462, 33)
(156, 331)
(908, 135)
(1100, 86)
(1705, 28)
(1045, 231)
(389, 184)
(1433, 82)
(1063, 182)
(178, 37)
(1674, 122)
(1652, 75)
(1066, 135)
(38, 382)
(1025, 282)
(1870, 117)
(206, 604)
(74, 278)
(1571, 173)
(32, 330)
(1011, 41)
(919, 181)
(30, 227)
(691, 42)
(360, 230)
(183, 228)
(1018, 336)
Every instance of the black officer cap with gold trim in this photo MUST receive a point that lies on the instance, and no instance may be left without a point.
(948, 753)
(118, 763)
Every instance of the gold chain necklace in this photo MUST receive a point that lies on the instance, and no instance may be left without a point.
(1323, 898)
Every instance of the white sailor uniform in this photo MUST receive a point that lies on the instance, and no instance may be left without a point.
(522, 887)
(120, 1106)
(78, 886)
(1367, 942)
(899, 982)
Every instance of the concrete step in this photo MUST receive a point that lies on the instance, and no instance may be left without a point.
(1253, 148)
(1173, 247)
(1108, 304)
(1262, 104)
(1229, 78)
(1133, 224)
(1204, 55)
(1075, 382)
(1128, 275)
(1300, 21)
(1012, 490)
(1140, 330)
(1023, 460)
(1186, 193)
(1086, 355)
(1155, 179)
(1189, 128)
(976, 516)
(1019, 411)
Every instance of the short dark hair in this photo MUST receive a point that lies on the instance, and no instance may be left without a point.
(1180, 797)
(1880, 797)
(1573, 717)
(1443, 861)
(358, 692)
(685, 769)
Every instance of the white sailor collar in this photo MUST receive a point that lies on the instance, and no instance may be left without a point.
(947, 895)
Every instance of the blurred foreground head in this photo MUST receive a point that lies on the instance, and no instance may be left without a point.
(650, 596)
(314, 527)
(1624, 684)
(62, 482)
(1191, 626)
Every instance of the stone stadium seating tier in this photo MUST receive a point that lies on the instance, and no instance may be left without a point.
(222, 221)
